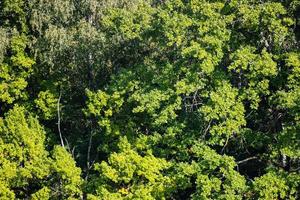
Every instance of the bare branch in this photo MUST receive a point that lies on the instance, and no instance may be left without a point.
(58, 120)
(246, 160)
(207, 128)
(223, 149)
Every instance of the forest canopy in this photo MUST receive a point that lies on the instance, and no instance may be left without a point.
(149, 99)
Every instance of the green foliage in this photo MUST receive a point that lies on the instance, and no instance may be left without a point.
(47, 103)
(15, 70)
(274, 185)
(128, 24)
(289, 97)
(25, 163)
(268, 21)
(67, 174)
(149, 99)
(225, 111)
(270, 187)
(207, 82)
(253, 72)
(23, 156)
(215, 175)
(14, 14)
(4, 43)
(43, 193)
(128, 175)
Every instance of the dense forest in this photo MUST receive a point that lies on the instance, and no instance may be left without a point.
(149, 99)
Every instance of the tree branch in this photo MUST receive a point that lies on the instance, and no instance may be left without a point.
(246, 160)
(58, 120)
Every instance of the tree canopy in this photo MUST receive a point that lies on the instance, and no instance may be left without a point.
(149, 99)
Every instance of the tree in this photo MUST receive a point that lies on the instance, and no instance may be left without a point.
(26, 166)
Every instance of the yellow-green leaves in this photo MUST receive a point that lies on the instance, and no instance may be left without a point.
(293, 63)
(270, 186)
(43, 193)
(198, 30)
(65, 171)
(175, 26)
(149, 102)
(103, 106)
(5, 192)
(129, 24)
(24, 138)
(155, 99)
(22, 153)
(47, 103)
(215, 175)
(269, 22)
(224, 112)
(288, 98)
(24, 159)
(152, 104)
(217, 73)
(134, 176)
(14, 71)
(253, 73)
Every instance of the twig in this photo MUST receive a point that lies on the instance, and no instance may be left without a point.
(58, 120)
(207, 128)
(249, 114)
(225, 145)
(69, 148)
(89, 150)
(295, 170)
(89, 164)
(246, 160)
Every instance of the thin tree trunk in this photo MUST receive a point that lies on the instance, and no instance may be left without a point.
(58, 120)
